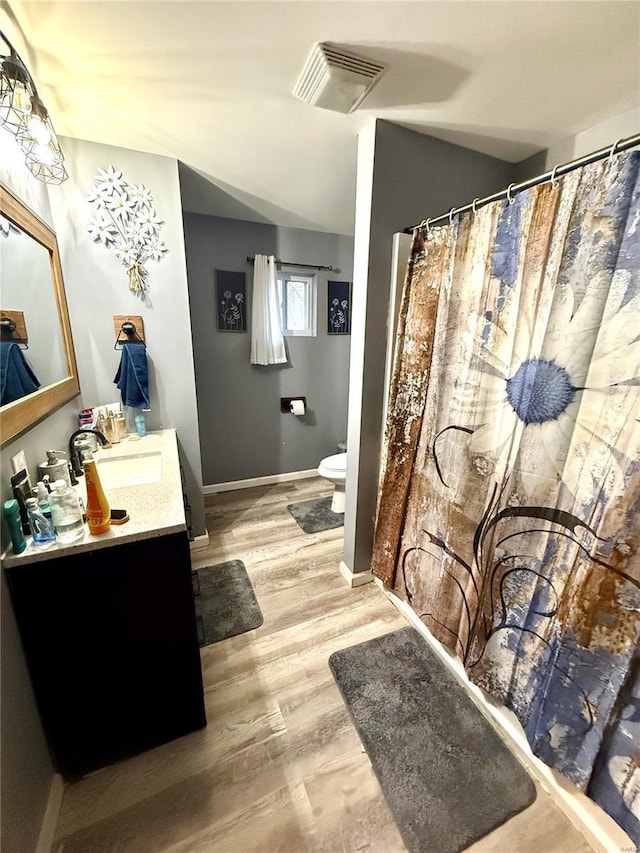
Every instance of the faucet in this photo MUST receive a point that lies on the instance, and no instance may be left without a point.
(74, 456)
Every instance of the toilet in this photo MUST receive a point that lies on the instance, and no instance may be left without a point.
(334, 469)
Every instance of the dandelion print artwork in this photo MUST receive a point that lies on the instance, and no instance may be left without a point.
(231, 301)
(339, 307)
(127, 222)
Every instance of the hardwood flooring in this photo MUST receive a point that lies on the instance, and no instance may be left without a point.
(279, 766)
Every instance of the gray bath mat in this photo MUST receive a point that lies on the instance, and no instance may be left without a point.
(316, 515)
(446, 775)
(226, 604)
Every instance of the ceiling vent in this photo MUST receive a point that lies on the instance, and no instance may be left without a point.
(336, 80)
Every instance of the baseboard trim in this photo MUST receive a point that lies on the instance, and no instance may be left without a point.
(601, 831)
(201, 541)
(270, 480)
(354, 578)
(52, 813)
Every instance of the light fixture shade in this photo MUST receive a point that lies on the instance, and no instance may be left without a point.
(55, 174)
(23, 114)
(15, 93)
(36, 136)
(49, 154)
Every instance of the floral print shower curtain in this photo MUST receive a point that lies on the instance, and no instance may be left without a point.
(508, 513)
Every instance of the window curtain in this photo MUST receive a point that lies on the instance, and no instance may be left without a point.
(267, 342)
(508, 506)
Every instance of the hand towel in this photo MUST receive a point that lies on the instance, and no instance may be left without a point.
(17, 379)
(132, 377)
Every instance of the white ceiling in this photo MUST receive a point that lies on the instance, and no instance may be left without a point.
(210, 84)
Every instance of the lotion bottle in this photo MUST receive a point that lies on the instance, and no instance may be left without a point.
(98, 510)
(56, 467)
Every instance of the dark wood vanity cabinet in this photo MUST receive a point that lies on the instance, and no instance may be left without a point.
(111, 644)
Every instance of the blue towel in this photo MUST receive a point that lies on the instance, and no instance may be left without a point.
(16, 377)
(132, 377)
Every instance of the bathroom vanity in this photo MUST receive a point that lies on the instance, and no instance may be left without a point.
(108, 623)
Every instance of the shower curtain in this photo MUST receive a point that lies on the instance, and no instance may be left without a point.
(510, 487)
(267, 341)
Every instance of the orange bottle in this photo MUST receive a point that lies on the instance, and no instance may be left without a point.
(98, 510)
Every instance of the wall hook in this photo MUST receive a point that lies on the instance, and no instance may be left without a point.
(128, 329)
(13, 328)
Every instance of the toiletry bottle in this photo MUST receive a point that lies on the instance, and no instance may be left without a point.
(43, 498)
(121, 424)
(56, 467)
(11, 512)
(141, 427)
(112, 429)
(41, 528)
(21, 487)
(66, 512)
(98, 510)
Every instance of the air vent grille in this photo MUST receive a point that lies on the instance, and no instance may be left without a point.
(335, 79)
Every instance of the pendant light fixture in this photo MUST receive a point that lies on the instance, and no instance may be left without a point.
(23, 114)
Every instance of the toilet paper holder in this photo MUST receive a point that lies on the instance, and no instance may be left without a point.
(285, 403)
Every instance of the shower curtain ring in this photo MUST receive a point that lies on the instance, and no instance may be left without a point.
(555, 183)
(510, 198)
(427, 228)
(473, 205)
(451, 212)
(613, 151)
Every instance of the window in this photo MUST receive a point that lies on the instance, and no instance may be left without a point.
(297, 296)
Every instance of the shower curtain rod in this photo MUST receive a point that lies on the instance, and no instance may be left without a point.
(293, 264)
(512, 189)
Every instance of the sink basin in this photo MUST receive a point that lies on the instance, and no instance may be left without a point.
(134, 470)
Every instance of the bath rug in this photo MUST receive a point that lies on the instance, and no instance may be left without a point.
(446, 775)
(226, 604)
(316, 515)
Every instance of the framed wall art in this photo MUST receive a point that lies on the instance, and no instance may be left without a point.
(338, 307)
(231, 301)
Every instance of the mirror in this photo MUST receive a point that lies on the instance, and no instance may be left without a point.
(38, 374)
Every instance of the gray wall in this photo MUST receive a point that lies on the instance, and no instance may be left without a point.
(414, 177)
(97, 288)
(243, 434)
(530, 168)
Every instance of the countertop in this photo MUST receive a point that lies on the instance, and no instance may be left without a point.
(155, 509)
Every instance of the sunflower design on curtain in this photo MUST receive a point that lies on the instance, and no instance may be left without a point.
(508, 507)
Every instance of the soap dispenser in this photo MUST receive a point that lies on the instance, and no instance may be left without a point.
(55, 468)
(42, 494)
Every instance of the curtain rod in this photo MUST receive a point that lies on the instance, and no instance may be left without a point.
(293, 264)
(512, 189)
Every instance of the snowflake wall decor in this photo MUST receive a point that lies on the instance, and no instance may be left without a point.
(127, 222)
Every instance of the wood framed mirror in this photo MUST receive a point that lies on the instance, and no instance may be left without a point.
(33, 287)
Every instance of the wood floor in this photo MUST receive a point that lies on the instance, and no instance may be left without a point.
(279, 766)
